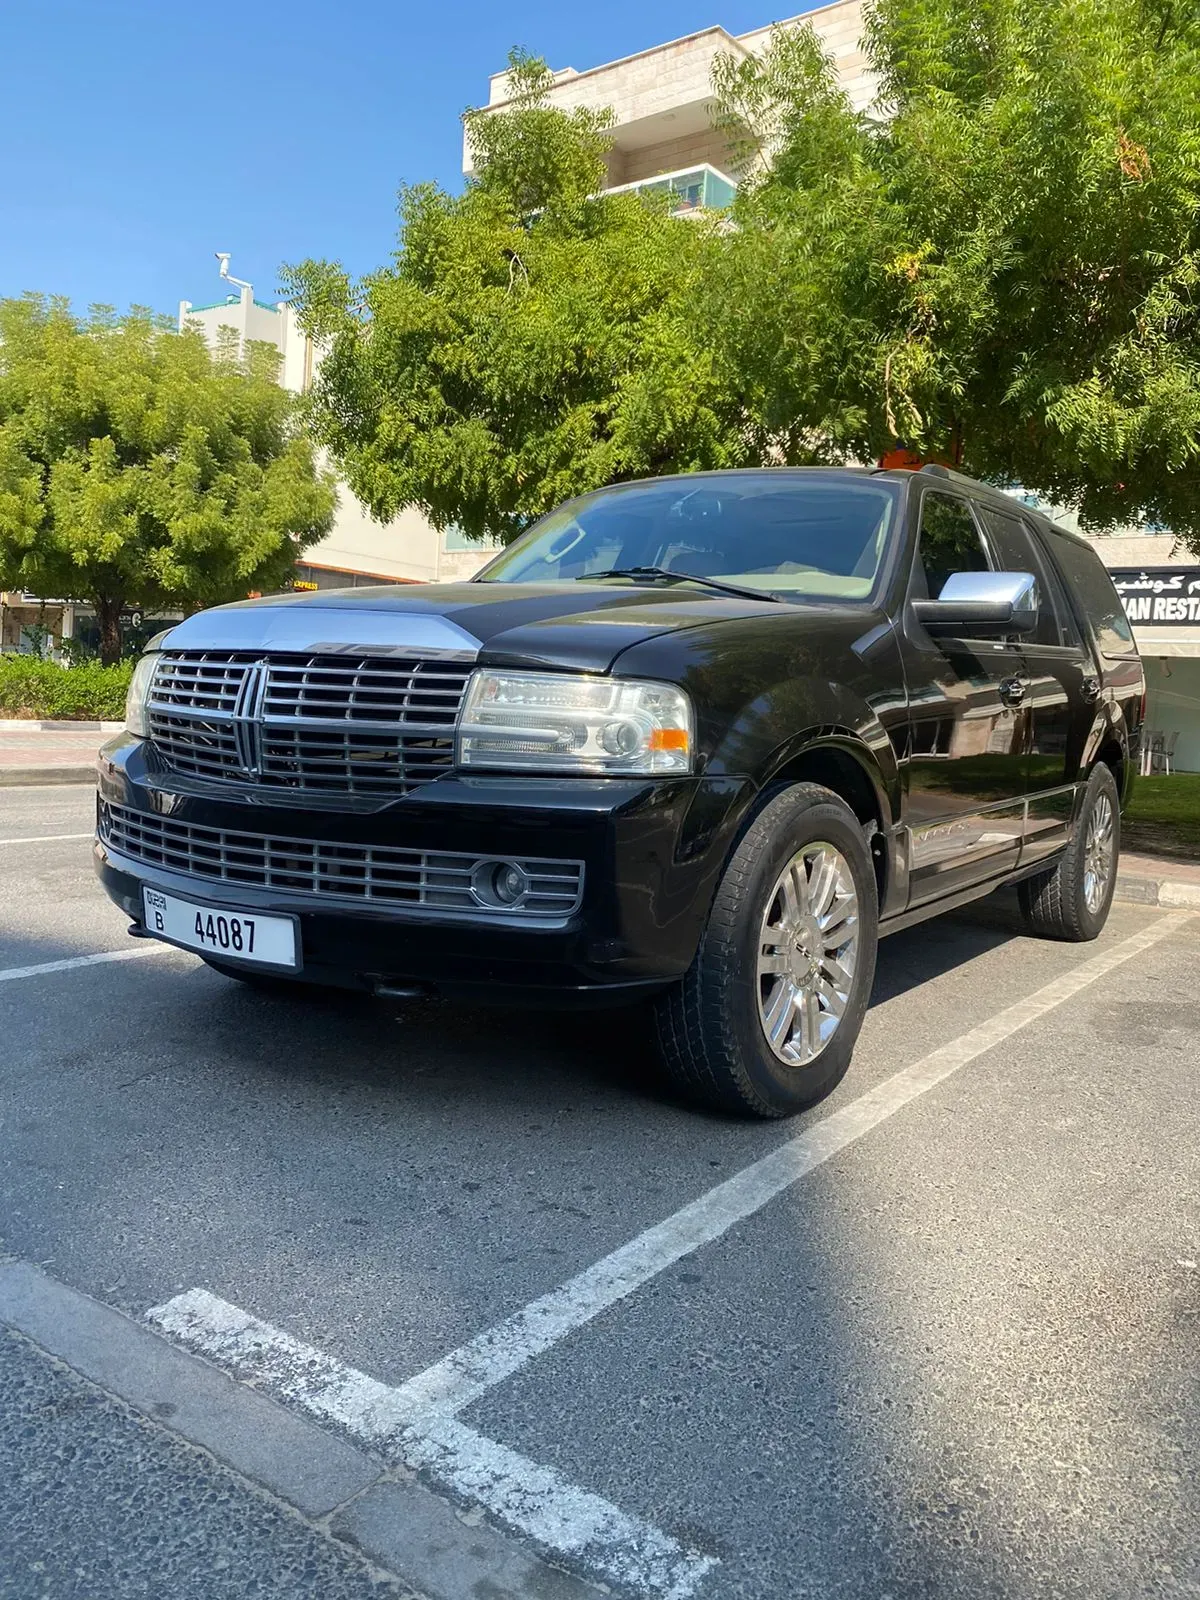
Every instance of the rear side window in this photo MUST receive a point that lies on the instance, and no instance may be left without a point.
(1093, 592)
(1016, 550)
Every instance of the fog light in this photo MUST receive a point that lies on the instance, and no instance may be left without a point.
(500, 883)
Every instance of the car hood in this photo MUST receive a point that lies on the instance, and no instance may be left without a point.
(583, 626)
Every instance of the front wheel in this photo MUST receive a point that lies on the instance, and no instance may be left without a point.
(766, 1019)
(1072, 900)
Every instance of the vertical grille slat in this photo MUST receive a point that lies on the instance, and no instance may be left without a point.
(365, 874)
(361, 726)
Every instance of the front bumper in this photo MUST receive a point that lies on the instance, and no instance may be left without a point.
(652, 853)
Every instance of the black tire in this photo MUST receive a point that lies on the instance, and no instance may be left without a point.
(711, 1035)
(1055, 904)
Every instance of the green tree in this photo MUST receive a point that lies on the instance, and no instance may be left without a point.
(138, 467)
(533, 339)
(1004, 262)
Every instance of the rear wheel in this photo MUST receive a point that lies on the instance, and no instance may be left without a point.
(766, 1019)
(1072, 900)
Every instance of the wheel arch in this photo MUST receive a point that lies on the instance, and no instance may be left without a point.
(839, 761)
(1112, 751)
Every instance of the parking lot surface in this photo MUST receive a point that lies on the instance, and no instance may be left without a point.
(937, 1337)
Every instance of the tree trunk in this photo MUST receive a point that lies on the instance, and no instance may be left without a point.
(108, 615)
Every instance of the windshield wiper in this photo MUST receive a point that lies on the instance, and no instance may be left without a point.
(659, 573)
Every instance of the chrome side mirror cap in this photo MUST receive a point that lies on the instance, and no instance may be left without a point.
(987, 604)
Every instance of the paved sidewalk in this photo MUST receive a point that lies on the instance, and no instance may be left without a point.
(1157, 881)
(50, 753)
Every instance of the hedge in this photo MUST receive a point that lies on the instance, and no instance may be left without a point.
(43, 689)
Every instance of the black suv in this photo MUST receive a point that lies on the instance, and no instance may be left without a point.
(699, 738)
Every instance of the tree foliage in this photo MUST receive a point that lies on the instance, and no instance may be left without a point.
(534, 337)
(998, 266)
(138, 467)
(1015, 230)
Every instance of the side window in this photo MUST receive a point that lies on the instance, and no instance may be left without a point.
(949, 542)
(1093, 592)
(1067, 623)
(1016, 551)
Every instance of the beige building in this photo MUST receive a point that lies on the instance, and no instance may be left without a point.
(662, 99)
(358, 549)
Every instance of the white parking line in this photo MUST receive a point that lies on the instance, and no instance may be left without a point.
(416, 1421)
(558, 1516)
(489, 1358)
(11, 974)
(49, 838)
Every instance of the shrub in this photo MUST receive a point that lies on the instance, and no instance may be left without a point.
(44, 689)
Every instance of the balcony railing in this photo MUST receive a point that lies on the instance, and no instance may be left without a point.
(700, 188)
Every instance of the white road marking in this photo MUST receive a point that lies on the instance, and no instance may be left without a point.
(48, 838)
(416, 1421)
(558, 1516)
(523, 1495)
(11, 974)
(494, 1355)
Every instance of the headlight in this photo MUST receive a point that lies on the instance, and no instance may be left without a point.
(139, 693)
(564, 722)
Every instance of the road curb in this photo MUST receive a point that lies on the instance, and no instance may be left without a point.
(346, 1494)
(25, 777)
(25, 725)
(1165, 892)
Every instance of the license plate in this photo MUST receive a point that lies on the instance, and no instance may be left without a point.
(217, 931)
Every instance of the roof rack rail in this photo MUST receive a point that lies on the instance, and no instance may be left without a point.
(938, 470)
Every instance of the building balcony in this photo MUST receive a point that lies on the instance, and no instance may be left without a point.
(691, 189)
(662, 98)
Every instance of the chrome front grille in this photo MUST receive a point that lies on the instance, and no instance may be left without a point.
(366, 874)
(310, 723)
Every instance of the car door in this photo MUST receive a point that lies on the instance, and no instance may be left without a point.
(1062, 687)
(968, 732)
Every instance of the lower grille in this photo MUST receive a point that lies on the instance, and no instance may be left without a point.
(365, 874)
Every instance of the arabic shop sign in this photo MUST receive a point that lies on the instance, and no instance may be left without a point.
(1159, 596)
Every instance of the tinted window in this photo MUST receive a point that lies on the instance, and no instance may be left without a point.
(1065, 611)
(783, 533)
(1093, 592)
(1014, 550)
(949, 542)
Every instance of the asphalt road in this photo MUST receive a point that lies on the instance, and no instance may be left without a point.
(958, 1356)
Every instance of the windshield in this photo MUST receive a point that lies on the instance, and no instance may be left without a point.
(779, 533)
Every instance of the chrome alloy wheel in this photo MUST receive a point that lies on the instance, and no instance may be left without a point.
(807, 949)
(1098, 853)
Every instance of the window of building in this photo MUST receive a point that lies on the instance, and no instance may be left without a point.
(455, 539)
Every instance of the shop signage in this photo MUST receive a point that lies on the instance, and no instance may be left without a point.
(1160, 597)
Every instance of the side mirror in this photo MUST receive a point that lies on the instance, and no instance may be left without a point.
(986, 604)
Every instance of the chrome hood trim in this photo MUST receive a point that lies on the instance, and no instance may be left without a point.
(322, 630)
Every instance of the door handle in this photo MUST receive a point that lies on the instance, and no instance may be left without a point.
(1012, 690)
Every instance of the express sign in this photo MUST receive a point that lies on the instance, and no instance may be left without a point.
(1159, 596)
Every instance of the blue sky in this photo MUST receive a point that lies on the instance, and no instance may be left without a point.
(137, 138)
